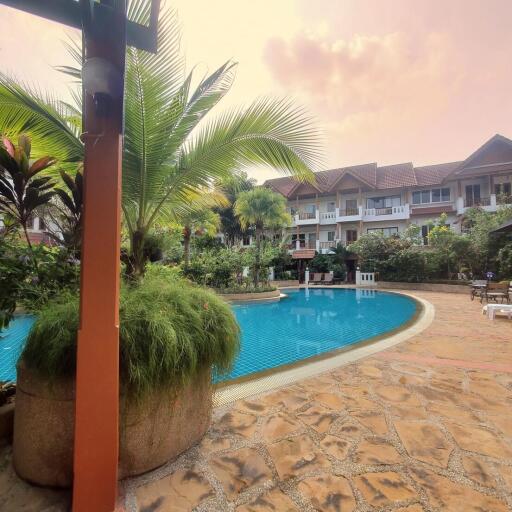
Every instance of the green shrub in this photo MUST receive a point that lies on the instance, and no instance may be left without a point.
(169, 330)
(246, 288)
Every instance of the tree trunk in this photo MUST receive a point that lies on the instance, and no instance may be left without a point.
(137, 259)
(187, 233)
(258, 257)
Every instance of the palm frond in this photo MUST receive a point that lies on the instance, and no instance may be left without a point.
(44, 119)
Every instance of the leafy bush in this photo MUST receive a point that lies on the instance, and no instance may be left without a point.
(169, 330)
(247, 287)
(30, 277)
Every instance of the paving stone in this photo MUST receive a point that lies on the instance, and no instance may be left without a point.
(297, 456)
(374, 452)
(478, 470)
(384, 489)
(450, 496)
(370, 371)
(275, 500)
(278, 425)
(328, 493)
(238, 423)
(397, 395)
(182, 491)
(372, 420)
(214, 444)
(330, 400)
(239, 470)
(424, 441)
(335, 446)
(257, 407)
(349, 429)
(411, 508)
(409, 413)
(318, 417)
(454, 413)
(503, 423)
(479, 440)
(292, 398)
(506, 474)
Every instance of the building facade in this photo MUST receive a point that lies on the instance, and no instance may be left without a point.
(342, 204)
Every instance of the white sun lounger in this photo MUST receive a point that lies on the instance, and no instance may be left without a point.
(491, 309)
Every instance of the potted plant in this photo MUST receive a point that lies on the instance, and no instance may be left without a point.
(172, 334)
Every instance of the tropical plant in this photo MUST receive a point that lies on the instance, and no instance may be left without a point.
(169, 331)
(171, 148)
(66, 212)
(231, 188)
(22, 192)
(198, 222)
(262, 209)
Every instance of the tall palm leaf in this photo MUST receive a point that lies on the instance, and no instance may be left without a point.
(170, 149)
(262, 209)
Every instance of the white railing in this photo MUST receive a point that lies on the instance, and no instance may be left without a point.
(349, 214)
(328, 217)
(365, 278)
(489, 204)
(307, 218)
(390, 213)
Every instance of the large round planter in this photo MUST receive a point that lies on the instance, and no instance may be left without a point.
(152, 432)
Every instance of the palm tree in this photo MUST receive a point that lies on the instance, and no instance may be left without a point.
(171, 147)
(262, 209)
(203, 221)
(22, 191)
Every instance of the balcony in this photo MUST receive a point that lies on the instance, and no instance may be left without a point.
(488, 204)
(392, 213)
(306, 218)
(327, 217)
(349, 215)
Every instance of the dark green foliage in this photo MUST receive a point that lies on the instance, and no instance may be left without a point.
(22, 191)
(23, 284)
(329, 263)
(169, 330)
(407, 265)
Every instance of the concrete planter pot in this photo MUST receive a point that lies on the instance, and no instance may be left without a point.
(6, 421)
(152, 432)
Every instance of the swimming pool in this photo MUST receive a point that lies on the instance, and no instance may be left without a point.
(313, 322)
(305, 324)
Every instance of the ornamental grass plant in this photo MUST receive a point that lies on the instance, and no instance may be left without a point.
(169, 331)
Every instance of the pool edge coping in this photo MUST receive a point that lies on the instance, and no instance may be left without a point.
(232, 392)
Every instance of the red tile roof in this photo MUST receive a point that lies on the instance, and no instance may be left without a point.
(495, 153)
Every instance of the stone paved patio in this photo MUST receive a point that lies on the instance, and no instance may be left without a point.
(426, 426)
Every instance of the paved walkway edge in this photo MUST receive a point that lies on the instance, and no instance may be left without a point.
(243, 390)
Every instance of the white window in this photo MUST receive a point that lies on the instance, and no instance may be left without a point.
(383, 202)
(385, 231)
(435, 195)
(331, 206)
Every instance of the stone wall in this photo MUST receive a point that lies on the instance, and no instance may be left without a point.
(428, 287)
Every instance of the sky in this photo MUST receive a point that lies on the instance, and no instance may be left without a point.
(390, 81)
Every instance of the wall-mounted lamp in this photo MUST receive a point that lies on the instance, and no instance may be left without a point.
(103, 81)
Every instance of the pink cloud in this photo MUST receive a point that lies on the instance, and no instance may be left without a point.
(423, 92)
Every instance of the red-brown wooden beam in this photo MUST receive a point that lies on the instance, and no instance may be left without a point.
(97, 381)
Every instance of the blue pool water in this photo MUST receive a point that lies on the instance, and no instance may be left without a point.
(311, 322)
(305, 324)
(11, 345)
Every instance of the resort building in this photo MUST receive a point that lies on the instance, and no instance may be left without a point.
(342, 204)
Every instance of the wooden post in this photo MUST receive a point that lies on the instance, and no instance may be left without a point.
(97, 379)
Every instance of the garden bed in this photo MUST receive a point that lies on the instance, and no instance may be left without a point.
(252, 296)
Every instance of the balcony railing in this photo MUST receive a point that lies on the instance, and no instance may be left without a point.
(348, 212)
(328, 245)
(306, 215)
(328, 216)
(477, 201)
